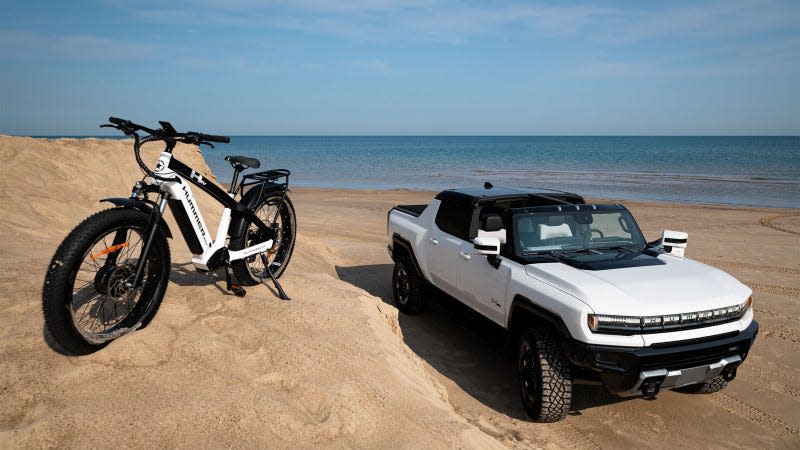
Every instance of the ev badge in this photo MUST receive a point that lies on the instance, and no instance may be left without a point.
(197, 177)
(159, 166)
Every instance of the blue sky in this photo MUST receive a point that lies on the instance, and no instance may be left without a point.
(403, 67)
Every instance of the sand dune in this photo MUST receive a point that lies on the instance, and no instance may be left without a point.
(212, 370)
(336, 366)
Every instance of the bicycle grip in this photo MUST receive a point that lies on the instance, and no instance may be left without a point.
(211, 137)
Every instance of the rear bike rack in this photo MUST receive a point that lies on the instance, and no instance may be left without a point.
(273, 179)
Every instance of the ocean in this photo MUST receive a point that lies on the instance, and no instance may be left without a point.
(724, 170)
(754, 171)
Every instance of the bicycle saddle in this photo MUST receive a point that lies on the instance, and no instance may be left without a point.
(243, 161)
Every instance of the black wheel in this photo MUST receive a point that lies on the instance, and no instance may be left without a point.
(274, 209)
(707, 387)
(408, 288)
(85, 301)
(544, 376)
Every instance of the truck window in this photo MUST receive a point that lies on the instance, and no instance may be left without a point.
(455, 218)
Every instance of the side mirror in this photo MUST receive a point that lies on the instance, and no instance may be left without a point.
(674, 242)
(492, 222)
(487, 245)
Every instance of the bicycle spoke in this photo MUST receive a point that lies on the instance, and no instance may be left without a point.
(98, 312)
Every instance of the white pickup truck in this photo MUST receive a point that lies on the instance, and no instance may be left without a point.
(577, 291)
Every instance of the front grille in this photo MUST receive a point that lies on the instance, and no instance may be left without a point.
(692, 358)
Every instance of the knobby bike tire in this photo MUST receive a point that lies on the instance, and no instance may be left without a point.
(84, 302)
(250, 271)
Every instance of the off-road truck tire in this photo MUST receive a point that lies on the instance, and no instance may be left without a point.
(544, 376)
(408, 287)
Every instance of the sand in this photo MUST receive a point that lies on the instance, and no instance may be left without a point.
(337, 366)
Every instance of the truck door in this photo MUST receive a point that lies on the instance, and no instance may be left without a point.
(483, 287)
(446, 240)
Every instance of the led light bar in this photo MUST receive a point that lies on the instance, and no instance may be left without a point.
(603, 323)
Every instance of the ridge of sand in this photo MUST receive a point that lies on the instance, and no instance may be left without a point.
(212, 370)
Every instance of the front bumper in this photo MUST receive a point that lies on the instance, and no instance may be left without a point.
(628, 370)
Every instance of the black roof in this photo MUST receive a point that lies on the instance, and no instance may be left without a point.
(569, 208)
(481, 195)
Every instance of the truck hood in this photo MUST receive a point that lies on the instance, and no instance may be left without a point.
(662, 285)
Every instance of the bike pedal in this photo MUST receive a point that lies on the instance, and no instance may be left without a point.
(238, 291)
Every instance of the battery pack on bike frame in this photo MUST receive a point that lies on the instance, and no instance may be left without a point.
(185, 225)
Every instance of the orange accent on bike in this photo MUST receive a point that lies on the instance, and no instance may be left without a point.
(112, 249)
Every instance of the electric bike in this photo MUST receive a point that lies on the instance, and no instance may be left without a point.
(110, 273)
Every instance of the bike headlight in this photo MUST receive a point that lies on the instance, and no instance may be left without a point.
(604, 323)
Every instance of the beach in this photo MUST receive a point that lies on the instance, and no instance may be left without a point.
(338, 366)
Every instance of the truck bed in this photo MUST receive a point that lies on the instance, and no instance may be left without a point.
(412, 210)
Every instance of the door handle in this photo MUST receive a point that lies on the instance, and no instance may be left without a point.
(464, 255)
(434, 240)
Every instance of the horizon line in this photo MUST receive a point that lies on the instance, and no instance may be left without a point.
(114, 136)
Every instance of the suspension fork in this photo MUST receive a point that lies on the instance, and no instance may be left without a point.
(152, 229)
(120, 237)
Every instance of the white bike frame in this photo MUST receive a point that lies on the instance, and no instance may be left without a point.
(182, 191)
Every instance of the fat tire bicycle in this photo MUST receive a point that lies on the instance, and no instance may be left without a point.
(109, 275)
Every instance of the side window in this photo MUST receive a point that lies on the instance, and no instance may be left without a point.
(455, 218)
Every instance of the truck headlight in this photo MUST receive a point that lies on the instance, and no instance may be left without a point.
(604, 323)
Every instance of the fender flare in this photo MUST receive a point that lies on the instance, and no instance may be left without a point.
(139, 205)
(553, 319)
(399, 241)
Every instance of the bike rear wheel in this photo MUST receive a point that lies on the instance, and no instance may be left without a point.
(276, 210)
(85, 301)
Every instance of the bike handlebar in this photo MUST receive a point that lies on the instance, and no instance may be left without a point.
(124, 125)
(210, 137)
(166, 133)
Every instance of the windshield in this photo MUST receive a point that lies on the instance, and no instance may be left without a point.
(568, 231)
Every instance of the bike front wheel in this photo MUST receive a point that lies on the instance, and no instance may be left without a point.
(276, 210)
(85, 300)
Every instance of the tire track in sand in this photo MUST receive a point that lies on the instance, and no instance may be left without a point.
(578, 438)
(748, 266)
(787, 384)
(774, 314)
(752, 414)
(768, 221)
(790, 335)
(772, 289)
(515, 434)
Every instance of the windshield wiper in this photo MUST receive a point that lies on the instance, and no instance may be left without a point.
(580, 250)
(618, 248)
(561, 254)
(549, 254)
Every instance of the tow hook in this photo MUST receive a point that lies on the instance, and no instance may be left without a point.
(651, 386)
(730, 372)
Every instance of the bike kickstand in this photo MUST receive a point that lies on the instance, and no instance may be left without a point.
(235, 288)
(281, 293)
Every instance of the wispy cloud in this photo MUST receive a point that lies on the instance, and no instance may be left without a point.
(444, 21)
(708, 20)
(25, 44)
(373, 65)
(455, 22)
